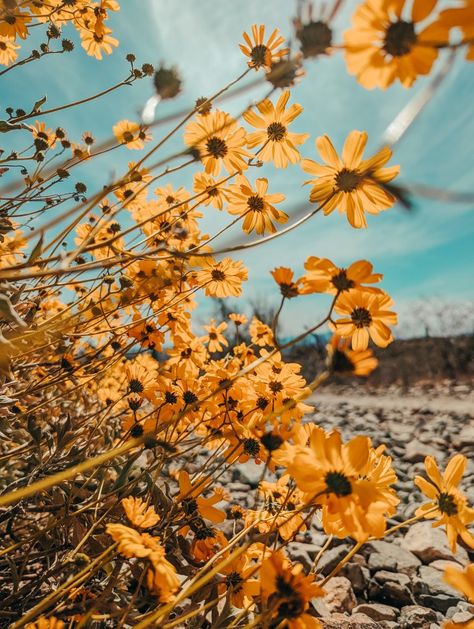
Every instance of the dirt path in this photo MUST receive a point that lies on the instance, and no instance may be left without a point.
(443, 404)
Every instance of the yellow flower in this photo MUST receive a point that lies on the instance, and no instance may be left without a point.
(255, 206)
(219, 141)
(447, 503)
(278, 144)
(263, 54)
(95, 43)
(323, 276)
(162, 579)
(8, 51)
(386, 44)
(131, 134)
(216, 193)
(221, 279)
(342, 360)
(190, 495)
(283, 276)
(366, 315)
(139, 513)
(288, 592)
(351, 184)
(215, 339)
(462, 580)
(260, 333)
(131, 543)
(352, 482)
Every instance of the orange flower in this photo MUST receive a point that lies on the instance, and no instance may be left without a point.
(131, 134)
(222, 279)
(462, 580)
(278, 144)
(13, 23)
(447, 502)
(255, 206)
(385, 44)
(283, 276)
(216, 194)
(367, 315)
(139, 513)
(462, 18)
(95, 43)
(190, 495)
(351, 184)
(219, 141)
(288, 592)
(207, 543)
(131, 543)
(324, 276)
(342, 360)
(263, 54)
(215, 339)
(46, 623)
(260, 333)
(238, 319)
(140, 381)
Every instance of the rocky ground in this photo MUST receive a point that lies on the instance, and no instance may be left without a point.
(398, 582)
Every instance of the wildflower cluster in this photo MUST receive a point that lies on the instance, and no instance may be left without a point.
(123, 415)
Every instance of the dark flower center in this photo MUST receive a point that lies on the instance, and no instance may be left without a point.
(189, 506)
(276, 132)
(189, 397)
(293, 605)
(255, 203)
(271, 441)
(217, 275)
(170, 397)
(447, 504)
(275, 386)
(216, 147)
(135, 386)
(212, 335)
(347, 180)
(212, 192)
(251, 447)
(234, 580)
(337, 483)
(341, 363)
(341, 282)
(399, 38)
(315, 38)
(127, 136)
(361, 317)
(258, 55)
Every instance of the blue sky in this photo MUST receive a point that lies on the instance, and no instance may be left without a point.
(424, 254)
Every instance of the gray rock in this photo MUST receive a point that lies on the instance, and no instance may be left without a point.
(377, 611)
(357, 621)
(331, 558)
(247, 473)
(339, 595)
(442, 564)
(438, 602)
(416, 452)
(392, 588)
(462, 617)
(429, 543)
(393, 556)
(379, 561)
(433, 583)
(416, 617)
(358, 575)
